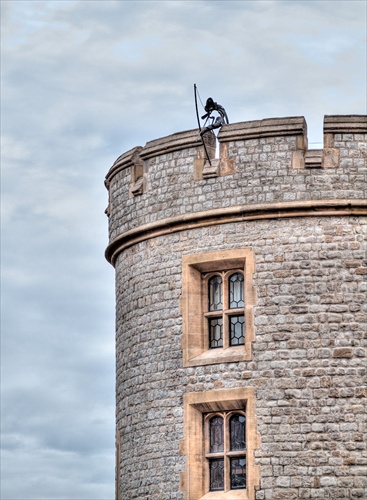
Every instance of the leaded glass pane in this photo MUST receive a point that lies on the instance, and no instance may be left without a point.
(237, 330)
(216, 434)
(216, 472)
(215, 293)
(215, 333)
(238, 473)
(237, 430)
(236, 296)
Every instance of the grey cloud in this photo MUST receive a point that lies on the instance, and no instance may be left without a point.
(84, 81)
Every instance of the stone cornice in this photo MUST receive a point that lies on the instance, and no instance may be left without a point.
(184, 222)
(345, 124)
(270, 127)
(173, 142)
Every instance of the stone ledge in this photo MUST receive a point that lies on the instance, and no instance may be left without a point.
(310, 208)
(345, 124)
(269, 127)
(174, 142)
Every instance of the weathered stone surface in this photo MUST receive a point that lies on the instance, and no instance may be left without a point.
(308, 362)
(342, 352)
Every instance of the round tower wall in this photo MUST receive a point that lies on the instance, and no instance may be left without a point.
(302, 225)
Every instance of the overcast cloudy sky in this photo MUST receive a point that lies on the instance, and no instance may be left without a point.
(82, 82)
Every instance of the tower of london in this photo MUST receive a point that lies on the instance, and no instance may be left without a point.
(240, 313)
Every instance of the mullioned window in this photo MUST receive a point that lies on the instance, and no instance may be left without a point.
(217, 307)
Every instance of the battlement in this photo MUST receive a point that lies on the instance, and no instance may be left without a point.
(270, 127)
(264, 169)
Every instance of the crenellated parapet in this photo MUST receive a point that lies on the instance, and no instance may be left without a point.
(262, 169)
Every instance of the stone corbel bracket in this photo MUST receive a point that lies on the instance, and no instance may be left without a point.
(131, 159)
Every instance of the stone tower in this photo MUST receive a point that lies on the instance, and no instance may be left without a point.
(240, 299)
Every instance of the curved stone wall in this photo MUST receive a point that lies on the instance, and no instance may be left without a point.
(302, 214)
(259, 171)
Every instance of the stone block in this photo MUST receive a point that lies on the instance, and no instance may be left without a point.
(342, 352)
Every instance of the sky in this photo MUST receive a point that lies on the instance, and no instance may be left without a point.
(82, 82)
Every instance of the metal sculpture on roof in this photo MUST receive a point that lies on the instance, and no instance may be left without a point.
(216, 121)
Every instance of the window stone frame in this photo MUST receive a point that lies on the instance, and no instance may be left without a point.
(194, 482)
(194, 342)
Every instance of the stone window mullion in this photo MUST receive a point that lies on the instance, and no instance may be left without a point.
(225, 312)
(227, 479)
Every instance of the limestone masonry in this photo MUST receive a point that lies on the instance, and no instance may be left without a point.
(289, 358)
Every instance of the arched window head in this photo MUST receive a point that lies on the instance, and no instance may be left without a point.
(236, 291)
(215, 293)
(216, 431)
(237, 432)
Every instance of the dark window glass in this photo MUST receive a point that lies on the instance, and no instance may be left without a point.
(216, 434)
(216, 471)
(215, 333)
(215, 293)
(238, 473)
(237, 330)
(237, 431)
(236, 296)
